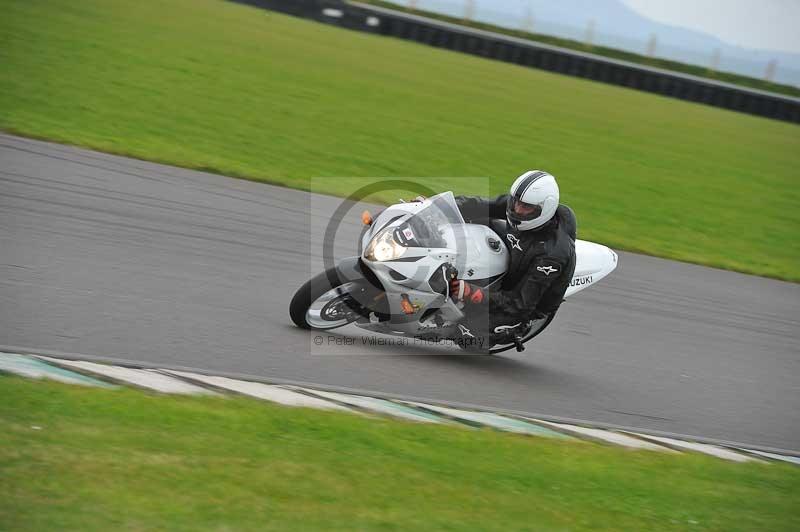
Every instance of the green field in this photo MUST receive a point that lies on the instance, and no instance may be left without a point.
(75, 458)
(246, 92)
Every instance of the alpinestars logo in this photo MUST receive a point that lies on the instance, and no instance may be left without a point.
(514, 241)
(547, 270)
(464, 331)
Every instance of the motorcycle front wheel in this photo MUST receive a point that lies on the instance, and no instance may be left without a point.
(319, 305)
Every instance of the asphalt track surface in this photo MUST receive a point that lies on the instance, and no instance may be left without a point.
(122, 259)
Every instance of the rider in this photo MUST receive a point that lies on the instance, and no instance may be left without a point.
(540, 236)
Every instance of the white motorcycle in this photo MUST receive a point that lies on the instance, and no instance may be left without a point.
(399, 285)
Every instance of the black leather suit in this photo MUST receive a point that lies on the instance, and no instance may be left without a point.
(540, 269)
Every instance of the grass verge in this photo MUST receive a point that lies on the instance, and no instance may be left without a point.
(246, 92)
(75, 458)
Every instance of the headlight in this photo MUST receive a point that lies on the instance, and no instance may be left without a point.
(384, 247)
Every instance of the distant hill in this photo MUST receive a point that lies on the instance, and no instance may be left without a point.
(618, 26)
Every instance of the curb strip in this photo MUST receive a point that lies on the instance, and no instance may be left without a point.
(184, 382)
(267, 392)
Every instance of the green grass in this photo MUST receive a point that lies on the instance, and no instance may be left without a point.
(127, 460)
(251, 93)
(606, 51)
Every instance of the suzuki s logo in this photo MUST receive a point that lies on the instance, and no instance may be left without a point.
(464, 331)
(514, 241)
(547, 270)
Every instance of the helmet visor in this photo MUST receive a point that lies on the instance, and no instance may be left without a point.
(519, 211)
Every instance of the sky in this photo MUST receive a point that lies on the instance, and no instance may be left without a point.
(764, 24)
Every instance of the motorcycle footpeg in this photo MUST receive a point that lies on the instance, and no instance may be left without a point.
(518, 343)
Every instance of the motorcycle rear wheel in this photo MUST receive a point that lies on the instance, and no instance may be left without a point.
(535, 330)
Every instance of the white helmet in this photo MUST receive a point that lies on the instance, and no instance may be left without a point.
(533, 200)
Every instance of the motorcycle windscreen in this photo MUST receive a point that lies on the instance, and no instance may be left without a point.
(426, 227)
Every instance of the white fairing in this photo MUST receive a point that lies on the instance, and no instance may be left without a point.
(477, 259)
(593, 262)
